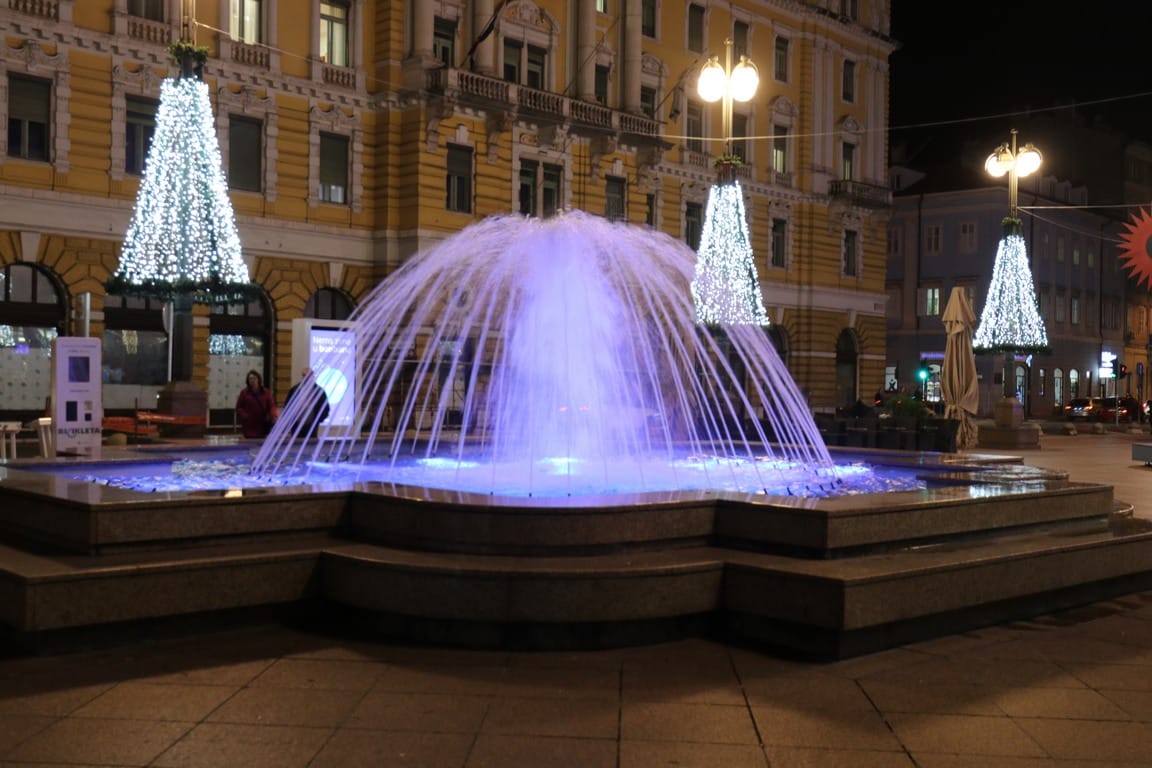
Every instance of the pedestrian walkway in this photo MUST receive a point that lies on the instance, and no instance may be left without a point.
(1071, 690)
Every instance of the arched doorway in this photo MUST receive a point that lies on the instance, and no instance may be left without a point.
(239, 340)
(847, 368)
(33, 312)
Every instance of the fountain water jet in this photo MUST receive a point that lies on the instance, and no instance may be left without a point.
(562, 356)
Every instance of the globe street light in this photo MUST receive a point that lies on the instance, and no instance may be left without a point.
(724, 82)
(1016, 163)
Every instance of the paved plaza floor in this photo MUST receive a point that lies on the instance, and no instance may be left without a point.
(1069, 690)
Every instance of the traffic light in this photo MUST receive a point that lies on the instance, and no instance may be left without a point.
(1123, 371)
(922, 372)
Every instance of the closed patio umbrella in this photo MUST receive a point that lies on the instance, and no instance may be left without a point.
(958, 382)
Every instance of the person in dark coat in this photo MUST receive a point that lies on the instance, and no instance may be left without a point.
(314, 402)
(255, 408)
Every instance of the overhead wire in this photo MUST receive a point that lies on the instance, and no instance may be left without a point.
(767, 137)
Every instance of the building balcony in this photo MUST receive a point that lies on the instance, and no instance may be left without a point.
(139, 28)
(341, 77)
(45, 9)
(250, 55)
(546, 106)
(859, 194)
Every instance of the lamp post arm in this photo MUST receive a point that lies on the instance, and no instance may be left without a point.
(727, 102)
(1012, 180)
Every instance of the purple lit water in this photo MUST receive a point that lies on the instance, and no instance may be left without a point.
(559, 356)
(234, 473)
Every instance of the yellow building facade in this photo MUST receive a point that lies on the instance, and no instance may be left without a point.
(356, 133)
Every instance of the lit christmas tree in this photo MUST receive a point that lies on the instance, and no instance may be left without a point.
(726, 289)
(1011, 321)
(182, 241)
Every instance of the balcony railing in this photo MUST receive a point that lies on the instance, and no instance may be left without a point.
(48, 9)
(471, 86)
(149, 31)
(596, 115)
(251, 55)
(342, 77)
(695, 159)
(541, 102)
(861, 194)
(706, 161)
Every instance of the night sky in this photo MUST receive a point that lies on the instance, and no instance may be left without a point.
(979, 58)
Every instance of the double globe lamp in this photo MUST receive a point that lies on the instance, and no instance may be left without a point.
(723, 81)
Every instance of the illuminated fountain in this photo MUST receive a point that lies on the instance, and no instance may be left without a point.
(560, 357)
(546, 450)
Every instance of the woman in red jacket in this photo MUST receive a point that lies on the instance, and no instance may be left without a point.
(255, 409)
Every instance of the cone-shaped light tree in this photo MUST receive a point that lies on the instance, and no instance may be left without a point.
(726, 289)
(1010, 321)
(182, 245)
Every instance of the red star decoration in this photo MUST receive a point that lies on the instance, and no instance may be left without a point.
(1136, 247)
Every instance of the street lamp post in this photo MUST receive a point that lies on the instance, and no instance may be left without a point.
(730, 84)
(1016, 163)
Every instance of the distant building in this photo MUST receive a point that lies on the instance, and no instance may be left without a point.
(944, 232)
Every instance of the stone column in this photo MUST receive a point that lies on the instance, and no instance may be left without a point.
(482, 59)
(419, 60)
(633, 52)
(423, 25)
(586, 50)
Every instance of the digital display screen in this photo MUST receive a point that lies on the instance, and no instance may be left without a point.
(79, 369)
(332, 357)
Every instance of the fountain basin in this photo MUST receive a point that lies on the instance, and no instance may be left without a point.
(74, 510)
(826, 577)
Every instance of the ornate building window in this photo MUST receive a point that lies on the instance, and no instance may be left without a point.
(29, 110)
(458, 182)
(336, 158)
(333, 168)
(251, 119)
(529, 36)
(245, 21)
(139, 127)
(334, 33)
(35, 95)
(244, 153)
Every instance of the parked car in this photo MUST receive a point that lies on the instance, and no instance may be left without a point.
(1115, 409)
(1082, 409)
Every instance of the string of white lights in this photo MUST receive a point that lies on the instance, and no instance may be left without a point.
(726, 289)
(1010, 320)
(183, 236)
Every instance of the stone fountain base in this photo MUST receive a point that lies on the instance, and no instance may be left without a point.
(823, 578)
(1008, 430)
